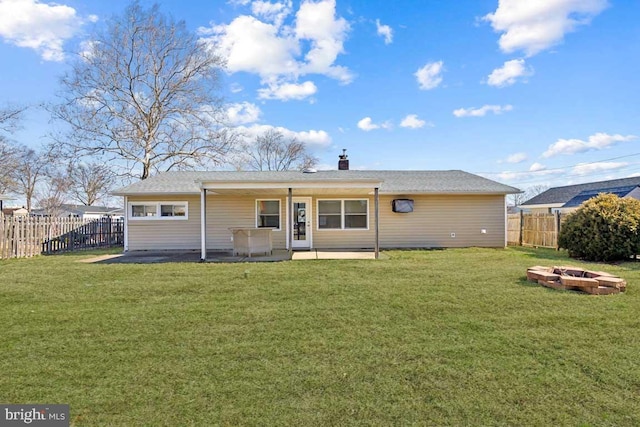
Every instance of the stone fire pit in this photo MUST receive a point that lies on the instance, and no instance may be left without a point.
(578, 279)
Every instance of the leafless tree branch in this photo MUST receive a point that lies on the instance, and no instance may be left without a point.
(145, 95)
(271, 151)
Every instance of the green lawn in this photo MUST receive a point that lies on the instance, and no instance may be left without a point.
(450, 337)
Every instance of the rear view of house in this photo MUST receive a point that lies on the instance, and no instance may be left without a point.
(339, 209)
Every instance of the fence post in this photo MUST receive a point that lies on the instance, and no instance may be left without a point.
(557, 230)
(521, 228)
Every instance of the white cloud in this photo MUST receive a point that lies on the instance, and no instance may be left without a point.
(235, 87)
(533, 26)
(288, 91)
(243, 113)
(590, 168)
(429, 76)
(384, 31)
(312, 138)
(509, 73)
(43, 27)
(256, 47)
(367, 125)
(272, 12)
(279, 53)
(537, 167)
(317, 23)
(515, 158)
(596, 141)
(482, 111)
(412, 121)
(535, 172)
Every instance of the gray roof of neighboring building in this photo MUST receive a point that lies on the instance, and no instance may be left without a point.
(428, 182)
(557, 195)
(83, 209)
(583, 196)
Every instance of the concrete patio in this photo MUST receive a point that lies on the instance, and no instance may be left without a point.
(154, 257)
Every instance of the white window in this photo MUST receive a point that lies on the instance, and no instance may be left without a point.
(349, 214)
(268, 214)
(158, 210)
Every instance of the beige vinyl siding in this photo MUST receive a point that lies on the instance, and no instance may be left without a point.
(166, 234)
(435, 217)
(430, 224)
(225, 212)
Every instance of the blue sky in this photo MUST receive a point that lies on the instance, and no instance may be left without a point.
(526, 93)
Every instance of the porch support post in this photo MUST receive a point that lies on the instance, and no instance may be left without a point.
(203, 225)
(377, 222)
(290, 221)
(126, 224)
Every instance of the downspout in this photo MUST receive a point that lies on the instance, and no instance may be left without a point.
(126, 224)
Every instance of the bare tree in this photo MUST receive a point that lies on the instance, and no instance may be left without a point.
(10, 117)
(8, 163)
(52, 195)
(31, 168)
(89, 183)
(9, 151)
(534, 190)
(144, 94)
(529, 193)
(271, 151)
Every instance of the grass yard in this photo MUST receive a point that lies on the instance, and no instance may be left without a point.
(450, 337)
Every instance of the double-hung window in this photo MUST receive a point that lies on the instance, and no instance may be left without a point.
(268, 214)
(350, 214)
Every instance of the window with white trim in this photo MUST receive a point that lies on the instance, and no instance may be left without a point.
(158, 210)
(268, 214)
(346, 214)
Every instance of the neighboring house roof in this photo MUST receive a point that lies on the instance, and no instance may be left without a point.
(583, 196)
(15, 211)
(561, 195)
(84, 210)
(391, 182)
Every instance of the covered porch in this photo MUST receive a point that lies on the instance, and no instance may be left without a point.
(301, 199)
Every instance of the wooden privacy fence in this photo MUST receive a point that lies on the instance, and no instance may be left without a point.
(28, 236)
(539, 230)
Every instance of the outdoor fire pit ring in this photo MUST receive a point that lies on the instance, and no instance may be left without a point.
(577, 279)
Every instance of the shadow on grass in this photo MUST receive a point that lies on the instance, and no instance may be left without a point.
(526, 283)
(543, 253)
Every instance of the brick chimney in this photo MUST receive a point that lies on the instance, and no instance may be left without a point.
(343, 163)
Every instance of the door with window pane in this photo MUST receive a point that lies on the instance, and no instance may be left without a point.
(301, 222)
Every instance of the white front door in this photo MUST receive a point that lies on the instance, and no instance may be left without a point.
(301, 223)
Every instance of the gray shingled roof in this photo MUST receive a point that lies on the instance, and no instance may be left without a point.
(564, 194)
(395, 182)
(583, 196)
